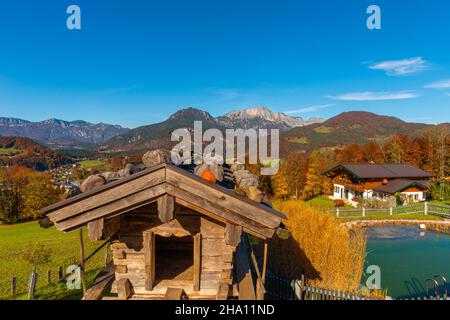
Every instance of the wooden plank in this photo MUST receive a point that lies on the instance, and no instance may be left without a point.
(222, 294)
(243, 274)
(111, 227)
(95, 229)
(223, 199)
(197, 260)
(124, 289)
(217, 213)
(175, 294)
(113, 208)
(227, 193)
(149, 255)
(101, 283)
(83, 272)
(233, 234)
(166, 205)
(120, 191)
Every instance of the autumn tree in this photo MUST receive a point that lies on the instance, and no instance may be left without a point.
(316, 182)
(37, 194)
(372, 153)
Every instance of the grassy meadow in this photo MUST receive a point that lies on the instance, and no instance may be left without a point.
(20, 241)
(94, 165)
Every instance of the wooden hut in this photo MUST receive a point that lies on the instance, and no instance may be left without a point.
(173, 235)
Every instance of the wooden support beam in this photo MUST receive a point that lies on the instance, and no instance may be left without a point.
(83, 273)
(149, 256)
(264, 269)
(175, 294)
(244, 275)
(124, 289)
(101, 283)
(166, 206)
(233, 234)
(95, 229)
(222, 294)
(197, 260)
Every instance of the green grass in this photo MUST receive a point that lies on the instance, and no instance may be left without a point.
(64, 250)
(415, 216)
(94, 164)
(9, 151)
(323, 129)
(322, 203)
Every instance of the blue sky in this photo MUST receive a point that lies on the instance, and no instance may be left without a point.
(135, 62)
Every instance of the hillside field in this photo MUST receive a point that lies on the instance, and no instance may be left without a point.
(63, 250)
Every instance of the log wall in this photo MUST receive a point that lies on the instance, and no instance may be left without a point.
(216, 256)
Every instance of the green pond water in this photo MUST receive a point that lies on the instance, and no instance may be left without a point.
(407, 256)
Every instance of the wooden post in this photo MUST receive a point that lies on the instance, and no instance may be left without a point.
(166, 205)
(363, 212)
(197, 260)
(13, 287)
(426, 208)
(32, 284)
(60, 274)
(49, 276)
(337, 212)
(264, 268)
(391, 211)
(149, 256)
(83, 274)
(105, 257)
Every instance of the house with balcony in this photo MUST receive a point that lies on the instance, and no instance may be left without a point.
(379, 181)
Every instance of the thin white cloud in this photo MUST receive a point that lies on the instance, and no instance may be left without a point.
(401, 67)
(376, 96)
(447, 94)
(443, 84)
(309, 109)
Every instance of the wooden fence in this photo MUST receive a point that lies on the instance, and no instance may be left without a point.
(280, 288)
(28, 284)
(424, 208)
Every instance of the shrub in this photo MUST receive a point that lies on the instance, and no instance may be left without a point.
(440, 190)
(329, 254)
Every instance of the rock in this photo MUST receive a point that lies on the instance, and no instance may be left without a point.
(253, 193)
(135, 168)
(156, 157)
(241, 175)
(215, 169)
(123, 173)
(92, 182)
(213, 160)
(237, 167)
(249, 182)
(110, 176)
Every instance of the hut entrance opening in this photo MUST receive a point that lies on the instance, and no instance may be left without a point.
(174, 258)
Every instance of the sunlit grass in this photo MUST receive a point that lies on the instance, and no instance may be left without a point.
(64, 249)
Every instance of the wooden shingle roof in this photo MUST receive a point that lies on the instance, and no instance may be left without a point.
(145, 187)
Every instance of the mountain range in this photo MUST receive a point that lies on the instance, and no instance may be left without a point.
(60, 134)
(297, 135)
(158, 135)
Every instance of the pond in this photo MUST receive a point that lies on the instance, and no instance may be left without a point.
(407, 256)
